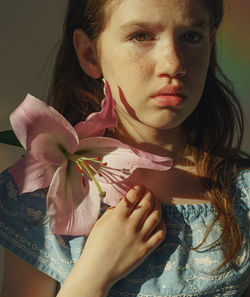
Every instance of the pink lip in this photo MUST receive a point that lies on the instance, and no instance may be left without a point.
(168, 90)
(169, 96)
(169, 100)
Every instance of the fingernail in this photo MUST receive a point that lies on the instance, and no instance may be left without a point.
(136, 188)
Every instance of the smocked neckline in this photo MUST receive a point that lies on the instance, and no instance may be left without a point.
(198, 209)
(185, 209)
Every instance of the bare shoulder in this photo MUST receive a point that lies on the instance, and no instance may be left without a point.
(23, 280)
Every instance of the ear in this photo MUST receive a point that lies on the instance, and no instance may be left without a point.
(86, 54)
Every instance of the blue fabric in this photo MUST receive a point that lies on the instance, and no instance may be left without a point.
(173, 269)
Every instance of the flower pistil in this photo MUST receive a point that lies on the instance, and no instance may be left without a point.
(86, 165)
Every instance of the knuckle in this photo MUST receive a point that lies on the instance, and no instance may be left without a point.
(143, 251)
(148, 201)
(154, 220)
(152, 244)
(133, 193)
(155, 217)
(160, 235)
(157, 240)
(132, 228)
(114, 218)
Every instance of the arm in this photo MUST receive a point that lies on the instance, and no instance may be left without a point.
(120, 240)
(23, 280)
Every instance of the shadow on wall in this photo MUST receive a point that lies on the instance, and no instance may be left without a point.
(25, 60)
(37, 30)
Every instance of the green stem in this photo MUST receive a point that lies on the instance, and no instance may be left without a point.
(102, 194)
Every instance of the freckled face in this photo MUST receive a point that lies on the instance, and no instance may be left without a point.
(156, 47)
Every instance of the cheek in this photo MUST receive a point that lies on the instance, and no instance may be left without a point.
(136, 63)
(128, 69)
(198, 66)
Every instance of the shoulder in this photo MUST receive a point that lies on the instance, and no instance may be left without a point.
(243, 184)
(245, 175)
(25, 231)
(33, 205)
(241, 195)
(19, 212)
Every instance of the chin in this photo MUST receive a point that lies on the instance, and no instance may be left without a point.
(166, 125)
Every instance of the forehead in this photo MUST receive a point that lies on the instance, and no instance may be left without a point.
(154, 10)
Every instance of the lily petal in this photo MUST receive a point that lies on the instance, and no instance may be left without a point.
(73, 205)
(72, 210)
(96, 123)
(121, 159)
(35, 123)
(115, 191)
(30, 175)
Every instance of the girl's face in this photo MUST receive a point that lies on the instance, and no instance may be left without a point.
(155, 55)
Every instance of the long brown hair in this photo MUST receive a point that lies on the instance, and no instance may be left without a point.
(72, 92)
(213, 131)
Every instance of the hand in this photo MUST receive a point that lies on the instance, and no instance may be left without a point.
(119, 241)
(125, 235)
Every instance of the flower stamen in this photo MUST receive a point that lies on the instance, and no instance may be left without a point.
(96, 172)
(82, 175)
(83, 165)
(101, 193)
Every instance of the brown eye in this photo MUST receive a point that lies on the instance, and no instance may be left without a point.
(141, 37)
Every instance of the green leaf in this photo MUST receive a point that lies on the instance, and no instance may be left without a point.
(9, 137)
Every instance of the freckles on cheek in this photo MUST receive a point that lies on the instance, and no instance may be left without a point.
(142, 69)
(132, 68)
(141, 60)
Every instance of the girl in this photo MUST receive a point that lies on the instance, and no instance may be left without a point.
(181, 232)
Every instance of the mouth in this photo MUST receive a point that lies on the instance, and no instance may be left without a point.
(169, 100)
(169, 96)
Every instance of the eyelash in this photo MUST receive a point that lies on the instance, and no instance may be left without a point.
(195, 37)
(141, 34)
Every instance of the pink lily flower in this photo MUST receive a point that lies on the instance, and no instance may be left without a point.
(79, 167)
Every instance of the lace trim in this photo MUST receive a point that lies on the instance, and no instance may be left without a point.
(34, 251)
(225, 291)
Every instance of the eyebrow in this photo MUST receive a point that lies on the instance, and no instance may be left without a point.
(135, 25)
(139, 25)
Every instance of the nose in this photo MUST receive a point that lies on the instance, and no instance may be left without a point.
(170, 61)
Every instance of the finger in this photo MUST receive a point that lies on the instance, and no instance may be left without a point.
(131, 199)
(142, 209)
(153, 219)
(157, 237)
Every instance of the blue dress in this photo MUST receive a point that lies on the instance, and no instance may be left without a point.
(173, 269)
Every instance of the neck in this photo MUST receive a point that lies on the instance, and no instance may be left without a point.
(168, 142)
